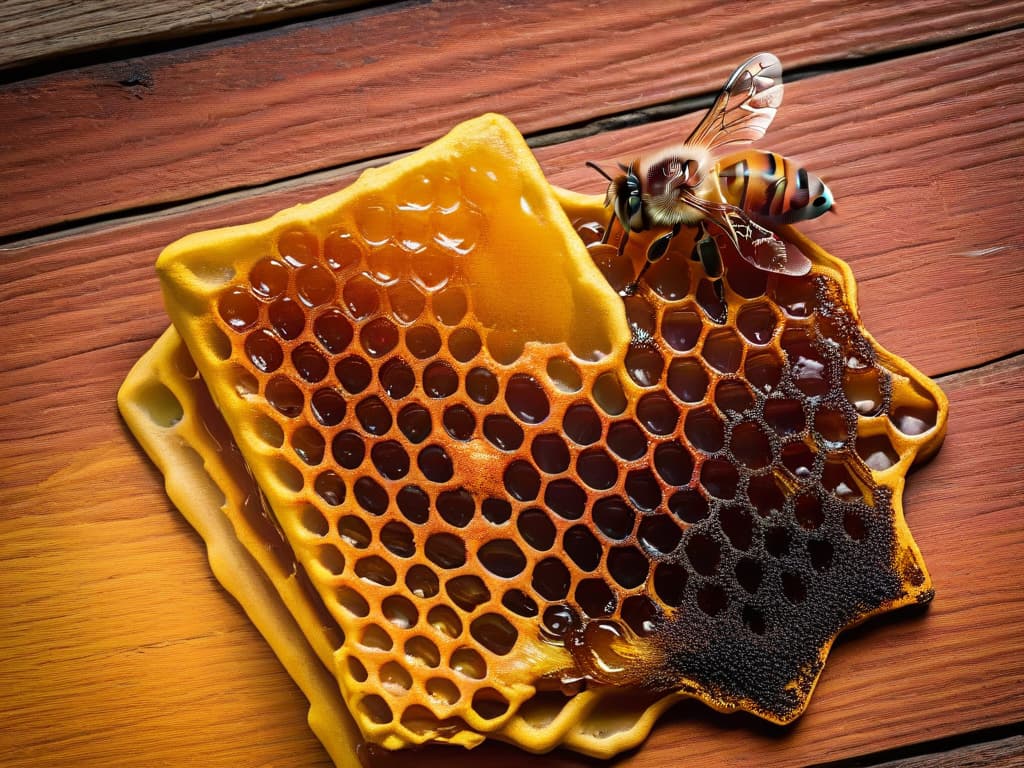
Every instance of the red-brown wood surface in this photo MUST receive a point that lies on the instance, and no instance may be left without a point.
(117, 647)
(276, 104)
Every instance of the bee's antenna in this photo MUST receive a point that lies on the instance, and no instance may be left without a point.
(597, 168)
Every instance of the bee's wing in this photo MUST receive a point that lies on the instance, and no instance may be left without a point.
(745, 106)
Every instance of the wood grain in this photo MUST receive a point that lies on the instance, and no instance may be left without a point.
(1002, 753)
(118, 648)
(311, 96)
(34, 30)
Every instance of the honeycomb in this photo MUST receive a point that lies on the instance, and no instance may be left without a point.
(519, 495)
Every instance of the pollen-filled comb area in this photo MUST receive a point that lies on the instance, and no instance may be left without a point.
(517, 495)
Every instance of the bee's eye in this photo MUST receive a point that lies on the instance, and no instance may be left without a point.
(634, 204)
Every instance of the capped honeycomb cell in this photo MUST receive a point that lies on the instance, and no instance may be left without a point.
(497, 502)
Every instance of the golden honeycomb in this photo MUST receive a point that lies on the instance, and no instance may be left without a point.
(518, 494)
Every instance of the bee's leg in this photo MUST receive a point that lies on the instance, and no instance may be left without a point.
(706, 251)
(657, 249)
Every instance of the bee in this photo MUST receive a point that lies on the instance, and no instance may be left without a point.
(742, 195)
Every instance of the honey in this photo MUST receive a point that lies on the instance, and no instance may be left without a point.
(499, 493)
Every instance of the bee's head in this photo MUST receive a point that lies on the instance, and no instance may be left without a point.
(625, 195)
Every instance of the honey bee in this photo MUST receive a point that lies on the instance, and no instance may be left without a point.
(742, 195)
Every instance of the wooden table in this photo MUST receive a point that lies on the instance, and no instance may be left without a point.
(122, 131)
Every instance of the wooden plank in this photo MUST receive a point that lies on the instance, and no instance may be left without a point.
(101, 657)
(1001, 753)
(318, 95)
(890, 161)
(38, 30)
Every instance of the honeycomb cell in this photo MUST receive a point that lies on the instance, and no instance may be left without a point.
(644, 366)
(704, 554)
(614, 517)
(597, 469)
(328, 407)
(757, 323)
(719, 478)
(238, 309)
(330, 487)
(864, 391)
(354, 532)
(712, 599)
(423, 341)
(395, 679)
(459, 422)
(559, 620)
(659, 533)
(440, 380)
(627, 440)
(309, 363)
(370, 495)
(837, 479)
(798, 458)
(526, 399)
(564, 375)
(777, 541)
(445, 620)
(705, 430)
(688, 380)
(464, 344)
(808, 511)
(551, 579)
(581, 545)
(520, 603)
(764, 495)
(657, 414)
(376, 570)
(433, 267)
(737, 525)
(673, 463)
(628, 566)
(399, 611)
(354, 374)
(390, 459)
(330, 558)
(595, 598)
(481, 386)
(670, 583)
(342, 252)
(641, 614)
(407, 303)
(442, 690)
(643, 490)
(456, 507)
(877, 452)
(357, 670)
(754, 620)
(496, 511)
(806, 366)
(502, 558)
(796, 297)
(423, 583)
(494, 632)
(450, 305)
(348, 449)
(435, 464)
(378, 337)
(536, 529)
(821, 552)
(268, 278)
(793, 587)
(709, 301)
(681, 329)
(608, 394)
(374, 416)
(565, 498)
(853, 524)
(286, 398)
(733, 395)
(386, 263)
(467, 592)
(763, 369)
(315, 285)
(263, 350)
(308, 445)
(361, 297)
(414, 422)
(352, 602)
(397, 538)
(831, 424)
(419, 651)
(503, 433)
(582, 424)
(397, 378)
(313, 521)
(550, 453)
(414, 504)
(688, 505)
(723, 350)
(785, 417)
(751, 445)
(913, 421)
(469, 663)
